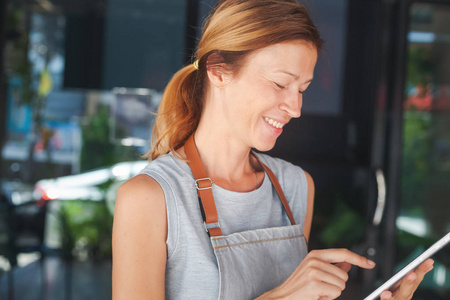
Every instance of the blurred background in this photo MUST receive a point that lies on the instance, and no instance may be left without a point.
(79, 80)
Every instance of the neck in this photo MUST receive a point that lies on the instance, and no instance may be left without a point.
(227, 161)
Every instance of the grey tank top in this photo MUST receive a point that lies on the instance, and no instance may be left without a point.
(191, 268)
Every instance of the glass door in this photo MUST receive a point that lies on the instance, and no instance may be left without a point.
(424, 207)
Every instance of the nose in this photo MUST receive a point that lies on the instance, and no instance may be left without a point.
(292, 105)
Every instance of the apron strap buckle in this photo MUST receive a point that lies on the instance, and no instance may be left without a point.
(201, 187)
(211, 225)
(213, 229)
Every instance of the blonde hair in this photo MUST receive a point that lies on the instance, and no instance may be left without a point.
(234, 29)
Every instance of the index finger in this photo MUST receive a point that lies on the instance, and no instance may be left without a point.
(342, 255)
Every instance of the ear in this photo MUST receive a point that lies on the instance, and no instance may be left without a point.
(218, 73)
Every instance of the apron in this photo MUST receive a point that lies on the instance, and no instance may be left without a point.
(250, 262)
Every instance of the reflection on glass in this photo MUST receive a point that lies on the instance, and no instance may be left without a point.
(425, 191)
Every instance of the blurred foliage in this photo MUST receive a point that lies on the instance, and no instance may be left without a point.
(408, 243)
(415, 160)
(98, 150)
(33, 88)
(411, 241)
(420, 66)
(88, 228)
(88, 224)
(345, 228)
(18, 63)
(416, 132)
(338, 221)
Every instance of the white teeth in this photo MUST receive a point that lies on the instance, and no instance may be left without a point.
(274, 123)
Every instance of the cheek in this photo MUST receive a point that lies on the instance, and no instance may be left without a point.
(254, 98)
(268, 97)
(264, 92)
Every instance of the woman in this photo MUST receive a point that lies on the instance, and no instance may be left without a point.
(208, 218)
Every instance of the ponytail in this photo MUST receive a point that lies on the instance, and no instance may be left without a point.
(179, 112)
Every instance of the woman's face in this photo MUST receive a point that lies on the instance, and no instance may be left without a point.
(268, 92)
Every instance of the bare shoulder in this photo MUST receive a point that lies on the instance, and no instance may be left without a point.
(139, 187)
(310, 182)
(139, 240)
(140, 203)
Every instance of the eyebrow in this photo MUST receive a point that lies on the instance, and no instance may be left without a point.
(287, 72)
(293, 75)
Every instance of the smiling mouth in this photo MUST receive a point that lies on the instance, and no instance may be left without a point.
(274, 123)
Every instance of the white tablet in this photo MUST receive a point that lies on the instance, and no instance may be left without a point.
(410, 267)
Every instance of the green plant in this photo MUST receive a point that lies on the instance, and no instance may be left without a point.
(415, 159)
(88, 225)
(420, 67)
(345, 227)
(98, 150)
(33, 88)
(338, 221)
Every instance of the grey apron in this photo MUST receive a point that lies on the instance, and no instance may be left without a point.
(250, 262)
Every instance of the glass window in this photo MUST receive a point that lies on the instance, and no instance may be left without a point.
(425, 191)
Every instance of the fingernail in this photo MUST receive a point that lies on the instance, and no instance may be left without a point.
(371, 263)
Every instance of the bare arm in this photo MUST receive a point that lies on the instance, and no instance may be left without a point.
(309, 207)
(139, 240)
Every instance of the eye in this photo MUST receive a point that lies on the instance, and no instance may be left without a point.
(281, 87)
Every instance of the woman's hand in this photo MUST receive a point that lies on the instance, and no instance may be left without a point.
(321, 275)
(405, 289)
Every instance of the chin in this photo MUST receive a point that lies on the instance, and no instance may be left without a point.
(264, 147)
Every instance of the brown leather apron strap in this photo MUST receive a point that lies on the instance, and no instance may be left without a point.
(278, 188)
(204, 188)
